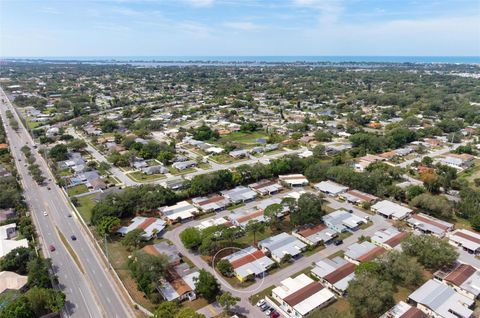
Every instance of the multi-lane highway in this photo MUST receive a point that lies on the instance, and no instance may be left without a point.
(87, 283)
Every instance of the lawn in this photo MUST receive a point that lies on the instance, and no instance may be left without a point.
(112, 180)
(204, 165)
(315, 250)
(142, 177)
(223, 158)
(180, 172)
(85, 205)
(78, 189)
(266, 292)
(339, 253)
(340, 308)
(249, 138)
(471, 173)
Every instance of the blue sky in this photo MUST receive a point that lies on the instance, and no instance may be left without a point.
(239, 27)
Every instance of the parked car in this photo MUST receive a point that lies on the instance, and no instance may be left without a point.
(51, 248)
(264, 307)
(260, 302)
(337, 242)
(269, 312)
(274, 314)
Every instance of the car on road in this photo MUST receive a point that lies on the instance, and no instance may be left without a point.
(274, 314)
(48, 188)
(337, 242)
(51, 248)
(350, 211)
(19, 159)
(260, 302)
(45, 213)
(73, 237)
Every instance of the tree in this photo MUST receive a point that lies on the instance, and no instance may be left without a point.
(225, 268)
(401, 269)
(167, 309)
(206, 285)
(227, 301)
(475, 222)
(188, 313)
(108, 126)
(321, 135)
(430, 251)
(309, 210)
(286, 258)
(133, 238)
(59, 152)
(191, 237)
(45, 300)
(369, 296)
(77, 144)
(107, 225)
(436, 205)
(19, 308)
(254, 227)
(103, 167)
(413, 191)
(38, 274)
(147, 270)
(16, 260)
(273, 212)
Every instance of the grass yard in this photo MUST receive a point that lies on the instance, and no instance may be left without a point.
(66, 173)
(142, 177)
(315, 250)
(78, 189)
(339, 253)
(222, 158)
(204, 165)
(85, 205)
(340, 308)
(471, 173)
(177, 172)
(235, 206)
(266, 292)
(249, 138)
(32, 125)
(112, 180)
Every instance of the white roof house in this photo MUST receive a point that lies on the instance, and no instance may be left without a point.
(342, 221)
(301, 295)
(331, 188)
(440, 300)
(265, 187)
(151, 226)
(429, 225)
(466, 239)
(388, 238)
(249, 262)
(280, 245)
(11, 281)
(362, 252)
(404, 310)
(6, 246)
(242, 218)
(213, 203)
(180, 288)
(294, 180)
(239, 194)
(8, 231)
(463, 278)
(211, 222)
(314, 235)
(334, 273)
(391, 210)
(182, 210)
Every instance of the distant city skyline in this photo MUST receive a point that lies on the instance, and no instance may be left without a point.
(239, 27)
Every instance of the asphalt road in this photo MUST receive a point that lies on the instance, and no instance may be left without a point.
(89, 288)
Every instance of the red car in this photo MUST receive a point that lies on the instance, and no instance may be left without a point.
(51, 248)
(274, 314)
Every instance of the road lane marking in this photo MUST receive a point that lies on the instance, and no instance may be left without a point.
(86, 305)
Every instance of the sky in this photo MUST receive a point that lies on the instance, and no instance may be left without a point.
(239, 27)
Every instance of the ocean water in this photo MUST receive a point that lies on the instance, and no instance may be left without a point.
(265, 59)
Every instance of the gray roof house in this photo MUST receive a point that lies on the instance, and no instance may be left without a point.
(154, 169)
(182, 165)
(342, 221)
(238, 153)
(239, 194)
(282, 244)
(334, 273)
(439, 300)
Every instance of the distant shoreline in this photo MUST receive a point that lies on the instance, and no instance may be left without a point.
(249, 60)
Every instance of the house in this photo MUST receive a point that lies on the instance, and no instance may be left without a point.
(171, 251)
(7, 214)
(12, 281)
(183, 165)
(330, 188)
(391, 210)
(362, 252)
(213, 222)
(334, 273)
(174, 183)
(213, 203)
(239, 194)
(315, 235)
(271, 201)
(215, 150)
(404, 310)
(249, 263)
(341, 221)
(4, 172)
(463, 278)
(301, 295)
(266, 187)
(241, 153)
(280, 245)
(153, 227)
(388, 238)
(157, 169)
(96, 184)
(429, 225)
(358, 197)
(468, 240)
(293, 180)
(463, 160)
(8, 231)
(140, 164)
(365, 161)
(178, 287)
(6, 246)
(242, 219)
(182, 211)
(441, 301)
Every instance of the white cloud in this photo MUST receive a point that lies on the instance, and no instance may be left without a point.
(329, 10)
(200, 3)
(243, 26)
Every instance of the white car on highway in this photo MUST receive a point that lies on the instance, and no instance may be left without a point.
(45, 213)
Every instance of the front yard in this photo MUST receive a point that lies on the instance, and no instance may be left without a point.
(142, 177)
(85, 205)
(76, 190)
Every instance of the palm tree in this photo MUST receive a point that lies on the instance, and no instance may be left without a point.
(253, 226)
